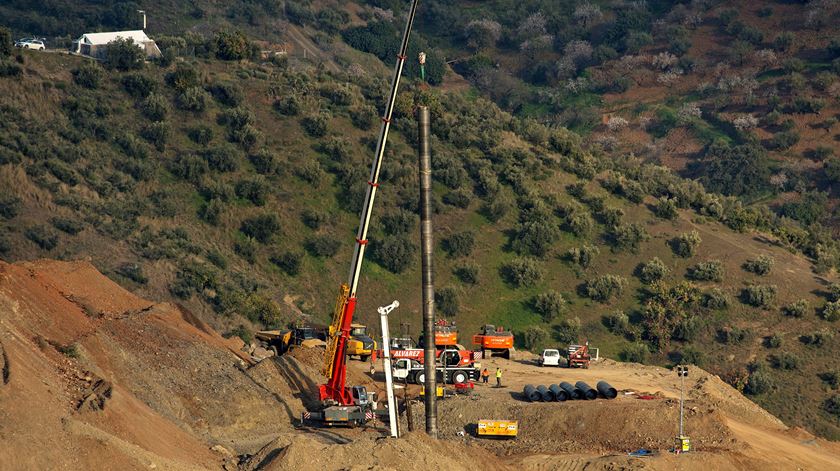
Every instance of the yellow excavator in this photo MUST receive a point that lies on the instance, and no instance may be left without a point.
(360, 343)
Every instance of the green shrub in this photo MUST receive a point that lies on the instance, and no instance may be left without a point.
(223, 158)
(459, 198)
(157, 134)
(261, 227)
(568, 331)
(759, 382)
(244, 334)
(618, 322)
(247, 249)
(711, 270)
(10, 69)
(290, 105)
(264, 162)
(583, 255)
(784, 140)
(773, 341)
(42, 236)
(310, 172)
(459, 244)
(134, 272)
(446, 301)
(289, 262)
(71, 350)
(627, 236)
(635, 353)
(495, 209)
(193, 277)
(395, 253)
(521, 272)
(231, 46)
(604, 288)
(316, 124)
(692, 356)
(831, 378)
(184, 77)
(6, 43)
(67, 225)
(154, 107)
(652, 271)
(138, 85)
(666, 208)
(796, 309)
(760, 266)
(322, 245)
(88, 75)
(200, 134)
(819, 338)
(734, 335)
(685, 245)
(211, 212)
(534, 338)
(363, 117)
(549, 305)
(399, 222)
(123, 54)
(759, 295)
(467, 272)
(313, 219)
(9, 206)
(254, 190)
(785, 361)
(831, 311)
(216, 258)
(192, 99)
(832, 405)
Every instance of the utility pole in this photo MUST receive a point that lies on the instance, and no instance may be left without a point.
(143, 12)
(389, 380)
(426, 254)
(683, 442)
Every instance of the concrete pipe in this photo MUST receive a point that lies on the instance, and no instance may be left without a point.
(531, 393)
(606, 390)
(560, 395)
(547, 396)
(570, 390)
(588, 392)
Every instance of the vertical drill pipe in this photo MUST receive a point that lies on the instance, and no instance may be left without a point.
(427, 250)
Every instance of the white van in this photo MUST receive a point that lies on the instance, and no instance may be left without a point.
(550, 357)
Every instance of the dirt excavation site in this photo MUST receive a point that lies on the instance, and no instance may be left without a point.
(94, 377)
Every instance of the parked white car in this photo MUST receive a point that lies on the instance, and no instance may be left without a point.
(30, 43)
(550, 357)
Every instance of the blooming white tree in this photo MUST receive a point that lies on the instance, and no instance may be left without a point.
(664, 60)
(483, 33)
(532, 27)
(617, 123)
(745, 122)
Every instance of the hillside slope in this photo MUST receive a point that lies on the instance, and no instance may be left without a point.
(233, 186)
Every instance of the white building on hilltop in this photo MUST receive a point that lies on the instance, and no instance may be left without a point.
(94, 44)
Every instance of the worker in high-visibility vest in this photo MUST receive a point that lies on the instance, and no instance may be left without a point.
(498, 377)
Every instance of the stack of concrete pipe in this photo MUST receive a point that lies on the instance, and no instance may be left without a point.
(566, 391)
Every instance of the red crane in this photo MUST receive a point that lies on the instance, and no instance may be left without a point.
(335, 391)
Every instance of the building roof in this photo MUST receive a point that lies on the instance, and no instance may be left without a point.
(138, 36)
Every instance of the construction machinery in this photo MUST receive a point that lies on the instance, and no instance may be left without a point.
(451, 366)
(446, 334)
(281, 341)
(578, 356)
(495, 340)
(340, 403)
(360, 343)
(498, 428)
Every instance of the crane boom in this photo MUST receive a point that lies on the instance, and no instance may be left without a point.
(334, 368)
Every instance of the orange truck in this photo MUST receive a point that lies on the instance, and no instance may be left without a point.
(495, 340)
(446, 335)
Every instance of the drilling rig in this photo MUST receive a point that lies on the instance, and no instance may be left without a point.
(341, 404)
